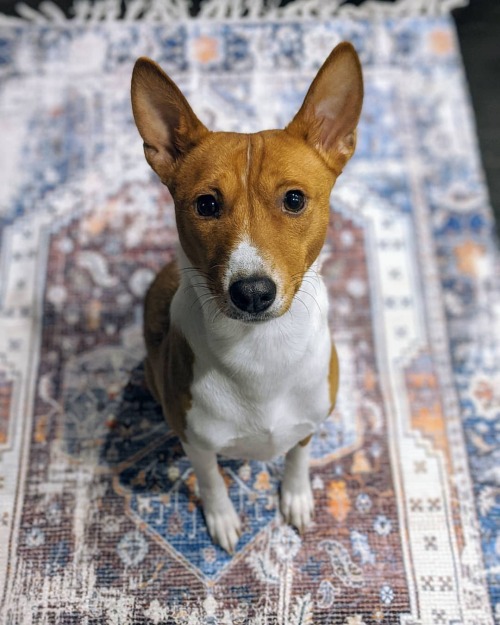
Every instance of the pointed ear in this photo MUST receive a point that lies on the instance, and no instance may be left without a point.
(330, 112)
(165, 121)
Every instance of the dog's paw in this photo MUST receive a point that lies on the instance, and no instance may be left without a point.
(297, 505)
(224, 525)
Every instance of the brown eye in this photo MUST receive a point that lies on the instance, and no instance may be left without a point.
(207, 206)
(294, 201)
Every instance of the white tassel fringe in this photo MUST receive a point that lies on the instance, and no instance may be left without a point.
(167, 10)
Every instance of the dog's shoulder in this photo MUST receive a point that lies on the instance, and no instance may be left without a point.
(157, 305)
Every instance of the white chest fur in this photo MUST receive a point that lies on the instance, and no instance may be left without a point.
(258, 389)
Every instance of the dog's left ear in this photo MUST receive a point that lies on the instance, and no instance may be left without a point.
(330, 112)
(166, 122)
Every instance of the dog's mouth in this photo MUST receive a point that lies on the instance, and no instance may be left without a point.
(250, 299)
(246, 317)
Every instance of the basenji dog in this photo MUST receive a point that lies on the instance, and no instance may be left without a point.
(239, 353)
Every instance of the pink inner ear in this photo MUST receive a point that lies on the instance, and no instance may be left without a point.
(334, 135)
(337, 112)
(160, 118)
(330, 112)
(329, 124)
(163, 116)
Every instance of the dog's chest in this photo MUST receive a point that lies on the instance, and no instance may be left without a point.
(256, 390)
(265, 411)
(257, 433)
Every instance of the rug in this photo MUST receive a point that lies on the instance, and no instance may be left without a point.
(99, 516)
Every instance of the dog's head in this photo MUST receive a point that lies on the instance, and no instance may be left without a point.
(252, 209)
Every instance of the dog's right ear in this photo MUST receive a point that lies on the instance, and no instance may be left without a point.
(166, 122)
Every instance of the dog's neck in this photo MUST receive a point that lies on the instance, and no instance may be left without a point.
(216, 336)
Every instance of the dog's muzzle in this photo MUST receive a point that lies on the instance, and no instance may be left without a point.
(253, 295)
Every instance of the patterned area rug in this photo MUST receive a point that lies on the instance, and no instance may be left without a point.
(99, 516)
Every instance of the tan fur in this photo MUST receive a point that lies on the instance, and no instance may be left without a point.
(334, 137)
(169, 360)
(158, 106)
(280, 161)
(333, 377)
(249, 175)
(306, 441)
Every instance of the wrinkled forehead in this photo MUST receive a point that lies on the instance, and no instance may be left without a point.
(259, 163)
(250, 175)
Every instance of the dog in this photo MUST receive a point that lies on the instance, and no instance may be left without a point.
(239, 353)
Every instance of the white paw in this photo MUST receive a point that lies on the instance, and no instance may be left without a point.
(224, 525)
(297, 506)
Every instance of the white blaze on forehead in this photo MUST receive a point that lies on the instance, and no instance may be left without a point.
(246, 172)
(245, 261)
(249, 156)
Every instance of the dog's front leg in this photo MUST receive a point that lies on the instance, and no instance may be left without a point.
(297, 502)
(223, 523)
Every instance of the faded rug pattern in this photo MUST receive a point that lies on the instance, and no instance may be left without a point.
(99, 516)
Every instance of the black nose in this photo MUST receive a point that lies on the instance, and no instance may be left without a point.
(253, 295)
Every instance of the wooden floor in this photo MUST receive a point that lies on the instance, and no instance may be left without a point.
(478, 27)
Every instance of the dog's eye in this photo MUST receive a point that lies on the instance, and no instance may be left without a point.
(207, 206)
(294, 201)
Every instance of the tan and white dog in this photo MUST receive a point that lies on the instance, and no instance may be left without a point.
(239, 353)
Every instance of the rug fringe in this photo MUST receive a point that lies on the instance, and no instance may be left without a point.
(168, 10)
(324, 9)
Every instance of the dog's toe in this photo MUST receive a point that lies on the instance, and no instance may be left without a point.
(297, 507)
(223, 525)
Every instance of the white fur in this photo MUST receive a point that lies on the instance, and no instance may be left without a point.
(245, 261)
(258, 388)
(222, 521)
(297, 502)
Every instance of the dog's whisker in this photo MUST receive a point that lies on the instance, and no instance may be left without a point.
(188, 289)
(217, 313)
(309, 281)
(207, 302)
(303, 304)
(312, 297)
(202, 300)
(199, 272)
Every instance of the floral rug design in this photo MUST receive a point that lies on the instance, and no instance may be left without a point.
(99, 516)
